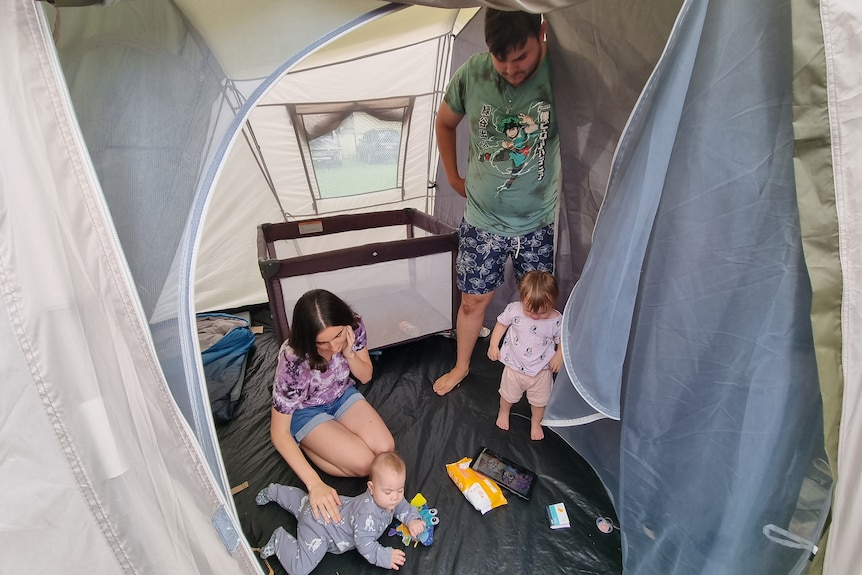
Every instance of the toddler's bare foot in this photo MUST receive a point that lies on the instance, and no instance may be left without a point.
(503, 421)
(536, 431)
(448, 381)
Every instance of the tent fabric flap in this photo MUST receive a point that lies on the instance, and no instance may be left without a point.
(99, 467)
(840, 268)
(713, 351)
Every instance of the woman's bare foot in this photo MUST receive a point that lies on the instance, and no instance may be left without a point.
(448, 381)
(536, 431)
(503, 421)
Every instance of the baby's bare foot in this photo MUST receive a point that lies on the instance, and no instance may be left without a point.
(503, 421)
(536, 432)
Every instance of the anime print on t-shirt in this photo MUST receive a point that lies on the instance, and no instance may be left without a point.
(514, 143)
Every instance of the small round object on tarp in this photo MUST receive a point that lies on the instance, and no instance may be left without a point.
(604, 524)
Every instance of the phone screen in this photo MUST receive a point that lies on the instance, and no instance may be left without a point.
(516, 478)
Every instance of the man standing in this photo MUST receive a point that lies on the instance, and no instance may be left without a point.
(513, 168)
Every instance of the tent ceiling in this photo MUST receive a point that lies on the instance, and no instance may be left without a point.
(417, 23)
(253, 38)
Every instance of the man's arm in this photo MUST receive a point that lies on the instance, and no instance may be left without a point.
(445, 125)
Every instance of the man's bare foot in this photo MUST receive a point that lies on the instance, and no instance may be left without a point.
(536, 431)
(503, 421)
(448, 381)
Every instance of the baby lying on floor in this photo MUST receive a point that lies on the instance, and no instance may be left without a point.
(364, 518)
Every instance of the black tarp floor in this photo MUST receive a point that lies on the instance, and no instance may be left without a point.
(429, 432)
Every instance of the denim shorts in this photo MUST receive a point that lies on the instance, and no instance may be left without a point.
(307, 418)
(482, 256)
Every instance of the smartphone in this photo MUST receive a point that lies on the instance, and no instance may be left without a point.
(510, 475)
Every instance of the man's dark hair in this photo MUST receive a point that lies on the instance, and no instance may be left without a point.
(507, 31)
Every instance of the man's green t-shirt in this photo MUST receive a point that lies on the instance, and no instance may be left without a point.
(513, 165)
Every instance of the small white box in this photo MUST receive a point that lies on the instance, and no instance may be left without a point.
(557, 516)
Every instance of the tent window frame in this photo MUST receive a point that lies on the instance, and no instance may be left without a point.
(312, 120)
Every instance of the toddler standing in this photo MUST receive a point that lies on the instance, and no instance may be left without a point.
(531, 350)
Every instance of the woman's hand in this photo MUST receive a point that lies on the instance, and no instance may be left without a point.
(323, 499)
(347, 350)
(324, 502)
(359, 362)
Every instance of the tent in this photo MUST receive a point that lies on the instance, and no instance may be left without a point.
(710, 335)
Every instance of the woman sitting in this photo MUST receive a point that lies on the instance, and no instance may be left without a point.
(315, 405)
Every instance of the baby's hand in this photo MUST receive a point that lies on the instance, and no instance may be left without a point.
(416, 526)
(398, 559)
(556, 362)
(493, 352)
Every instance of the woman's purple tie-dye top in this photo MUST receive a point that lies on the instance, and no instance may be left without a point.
(297, 386)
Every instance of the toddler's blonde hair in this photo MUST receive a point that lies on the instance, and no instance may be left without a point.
(538, 291)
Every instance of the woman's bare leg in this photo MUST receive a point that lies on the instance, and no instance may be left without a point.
(364, 422)
(345, 448)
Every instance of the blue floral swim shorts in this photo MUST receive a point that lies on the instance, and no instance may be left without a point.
(482, 256)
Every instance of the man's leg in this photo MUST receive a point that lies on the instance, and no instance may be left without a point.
(471, 314)
(479, 268)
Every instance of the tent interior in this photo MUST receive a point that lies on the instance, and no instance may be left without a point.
(429, 434)
(705, 408)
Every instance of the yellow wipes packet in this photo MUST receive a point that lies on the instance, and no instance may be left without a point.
(483, 493)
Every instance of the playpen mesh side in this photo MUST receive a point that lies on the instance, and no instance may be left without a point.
(398, 300)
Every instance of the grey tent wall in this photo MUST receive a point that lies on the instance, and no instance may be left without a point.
(601, 56)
